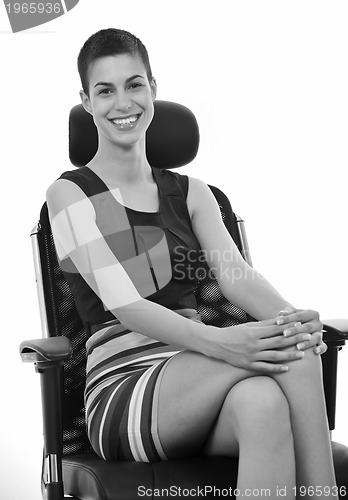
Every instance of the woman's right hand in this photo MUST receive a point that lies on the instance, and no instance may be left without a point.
(257, 346)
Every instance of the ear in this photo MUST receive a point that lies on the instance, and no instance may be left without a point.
(86, 103)
(153, 89)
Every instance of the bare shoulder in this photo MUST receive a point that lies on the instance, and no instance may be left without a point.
(63, 194)
(63, 189)
(200, 198)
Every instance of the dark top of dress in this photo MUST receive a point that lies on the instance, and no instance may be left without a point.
(158, 250)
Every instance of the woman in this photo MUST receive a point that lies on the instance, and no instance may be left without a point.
(160, 383)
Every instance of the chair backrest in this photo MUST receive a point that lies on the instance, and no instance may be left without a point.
(172, 141)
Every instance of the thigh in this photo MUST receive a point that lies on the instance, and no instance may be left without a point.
(191, 394)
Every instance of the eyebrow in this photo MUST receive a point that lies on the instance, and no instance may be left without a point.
(108, 84)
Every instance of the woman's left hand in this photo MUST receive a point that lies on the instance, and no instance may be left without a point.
(303, 321)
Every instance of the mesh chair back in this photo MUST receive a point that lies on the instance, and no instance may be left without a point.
(63, 319)
(214, 308)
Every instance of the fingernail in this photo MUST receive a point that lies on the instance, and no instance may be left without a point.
(287, 332)
(298, 323)
(284, 368)
(300, 346)
(317, 350)
(280, 321)
(307, 336)
(300, 354)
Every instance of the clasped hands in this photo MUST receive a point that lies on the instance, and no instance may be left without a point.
(305, 322)
(269, 345)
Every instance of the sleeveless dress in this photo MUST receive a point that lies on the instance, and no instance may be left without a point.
(124, 368)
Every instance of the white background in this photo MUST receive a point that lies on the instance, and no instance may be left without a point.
(267, 81)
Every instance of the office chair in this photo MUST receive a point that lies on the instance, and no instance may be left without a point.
(70, 466)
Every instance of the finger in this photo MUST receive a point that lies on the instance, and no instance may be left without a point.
(267, 322)
(269, 328)
(263, 367)
(298, 327)
(281, 342)
(281, 356)
(287, 310)
(271, 321)
(268, 331)
(291, 329)
(309, 340)
(320, 349)
(286, 319)
(304, 316)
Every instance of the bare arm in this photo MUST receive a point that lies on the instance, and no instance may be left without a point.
(239, 283)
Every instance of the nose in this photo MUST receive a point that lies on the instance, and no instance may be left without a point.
(122, 101)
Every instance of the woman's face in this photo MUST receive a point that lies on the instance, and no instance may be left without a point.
(120, 98)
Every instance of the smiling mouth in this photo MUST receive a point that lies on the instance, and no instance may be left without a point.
(125, 122)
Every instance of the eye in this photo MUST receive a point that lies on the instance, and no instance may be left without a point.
(105, 91)
(135, 85)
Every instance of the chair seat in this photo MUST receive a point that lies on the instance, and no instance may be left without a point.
(88, 477)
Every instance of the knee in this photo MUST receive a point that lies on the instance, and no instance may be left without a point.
(259, 403)
(310, 366)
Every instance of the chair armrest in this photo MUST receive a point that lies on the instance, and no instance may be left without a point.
(54, 349)
(338, 327)
(48, 355)
(335, 332)
(334, 335)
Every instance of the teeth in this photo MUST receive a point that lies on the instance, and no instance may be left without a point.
(125, 121)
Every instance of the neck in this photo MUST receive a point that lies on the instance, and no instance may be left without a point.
(121, 165)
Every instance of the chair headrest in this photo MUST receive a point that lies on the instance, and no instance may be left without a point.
(172, 138)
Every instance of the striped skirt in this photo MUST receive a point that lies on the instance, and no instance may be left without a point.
(124, 371)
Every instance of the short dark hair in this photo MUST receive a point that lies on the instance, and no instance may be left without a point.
(110, 42)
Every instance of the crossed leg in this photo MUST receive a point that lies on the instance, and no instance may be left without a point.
(303, 387)
(277, 426)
